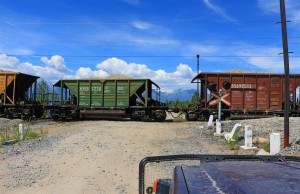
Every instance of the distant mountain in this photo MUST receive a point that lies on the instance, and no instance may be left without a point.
(180, 94)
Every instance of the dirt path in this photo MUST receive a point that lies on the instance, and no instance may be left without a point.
(95, 156)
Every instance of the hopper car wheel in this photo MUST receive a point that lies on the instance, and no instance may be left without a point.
(160, 115)
(39, 113)
(9, 116)
(191, 116)
(134, 116)
(28, 117)
(55, 118)
(192, 107)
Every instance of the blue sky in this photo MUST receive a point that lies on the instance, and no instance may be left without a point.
(157, 39)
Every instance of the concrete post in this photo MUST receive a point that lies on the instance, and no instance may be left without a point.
(218, 127)
(248, 136)
(21, 131)
(274, 143)
(228, 136)
(210, 121)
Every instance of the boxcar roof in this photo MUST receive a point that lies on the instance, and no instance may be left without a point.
(202, 74)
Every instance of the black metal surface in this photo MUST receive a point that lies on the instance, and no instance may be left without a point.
(205, 159)
(286, 72)
(243, 177)
(198, 56)
(181, 187)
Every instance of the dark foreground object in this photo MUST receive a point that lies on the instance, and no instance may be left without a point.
(226, 174)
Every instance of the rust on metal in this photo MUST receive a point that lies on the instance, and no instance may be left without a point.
(252, 91)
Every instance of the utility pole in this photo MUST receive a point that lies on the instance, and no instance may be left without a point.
(198, 56)
(286, 73)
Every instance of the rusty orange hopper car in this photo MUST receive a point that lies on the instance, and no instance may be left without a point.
(18, 96)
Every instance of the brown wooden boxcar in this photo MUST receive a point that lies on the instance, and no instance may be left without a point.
(251, 94)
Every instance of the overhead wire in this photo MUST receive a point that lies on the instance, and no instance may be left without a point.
(148, 22)
(151, 56)
(153, 44)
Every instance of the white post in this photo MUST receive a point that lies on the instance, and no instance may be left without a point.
(248, 136)
(228, 136)
(210, 121)
(274, 143)
(21, 131)
(218, 127)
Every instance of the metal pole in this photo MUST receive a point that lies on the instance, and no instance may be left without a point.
(286, 73)
(198, 56)
(219, 106)
(35, 89)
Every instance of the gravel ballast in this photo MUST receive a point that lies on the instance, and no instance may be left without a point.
(103, 156)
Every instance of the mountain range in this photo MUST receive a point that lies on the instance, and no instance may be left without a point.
(180, 94)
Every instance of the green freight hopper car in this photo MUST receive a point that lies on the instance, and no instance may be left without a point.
(108, 98)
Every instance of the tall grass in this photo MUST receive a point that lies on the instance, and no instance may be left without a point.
(12, 133)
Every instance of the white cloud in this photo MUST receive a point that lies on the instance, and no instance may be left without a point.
(8, 63)
(118, 66)
(274, 6)
(52, 71)
(49, 74)
(13, 64)
(270, 64)
(141, 25)
(218, 10)
(183, 71)
(180, 78)
(86, 72)
(292, 8)
(268, 6)
(56, 62)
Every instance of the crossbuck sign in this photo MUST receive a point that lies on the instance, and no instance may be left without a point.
(219, 99)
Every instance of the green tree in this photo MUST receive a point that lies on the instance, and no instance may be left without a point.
(194, 97)
(43, 91)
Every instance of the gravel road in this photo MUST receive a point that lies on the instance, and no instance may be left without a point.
(103, 156)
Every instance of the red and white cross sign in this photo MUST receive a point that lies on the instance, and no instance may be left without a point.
(218, 99)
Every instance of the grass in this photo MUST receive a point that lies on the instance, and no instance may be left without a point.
(12, 133)
(7, 134)
(233, 143)
(265, 146)
(29, 134)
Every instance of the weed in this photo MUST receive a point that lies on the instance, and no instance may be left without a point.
(265, 146)
(233, 143)
(30, 134)
(12, 133)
